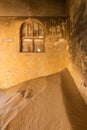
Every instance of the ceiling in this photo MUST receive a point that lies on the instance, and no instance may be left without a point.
(32, 8)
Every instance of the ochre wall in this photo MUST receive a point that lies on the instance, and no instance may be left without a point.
(78, 43)
(16, 67)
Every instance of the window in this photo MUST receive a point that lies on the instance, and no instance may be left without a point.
(32, 37)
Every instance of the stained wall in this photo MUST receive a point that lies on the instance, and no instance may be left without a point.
(16, 67)
(77, 39)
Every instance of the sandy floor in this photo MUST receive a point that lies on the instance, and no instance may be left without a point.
(48, 103)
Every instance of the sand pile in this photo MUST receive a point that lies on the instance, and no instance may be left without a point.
(49, 103)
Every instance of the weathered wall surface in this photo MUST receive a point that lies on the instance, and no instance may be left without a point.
(78, 42)
(16, 67)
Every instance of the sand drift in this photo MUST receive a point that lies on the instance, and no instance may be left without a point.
(48, 103)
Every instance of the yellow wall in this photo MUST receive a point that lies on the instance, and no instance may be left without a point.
(16, 67)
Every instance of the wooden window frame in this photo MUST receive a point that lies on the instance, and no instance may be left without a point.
(33, 38)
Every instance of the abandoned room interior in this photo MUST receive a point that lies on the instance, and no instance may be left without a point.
(43, 64)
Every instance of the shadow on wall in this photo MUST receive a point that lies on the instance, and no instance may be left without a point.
(78, 46)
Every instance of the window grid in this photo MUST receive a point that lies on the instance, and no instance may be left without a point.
(33, 37)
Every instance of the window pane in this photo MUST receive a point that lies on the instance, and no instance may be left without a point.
(27, 45)
(30, 30)
(35, 30)
(38, 45)
(24, 32)
(41, 32)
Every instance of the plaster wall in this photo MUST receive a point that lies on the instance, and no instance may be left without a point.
(78, 43)
(16, 67)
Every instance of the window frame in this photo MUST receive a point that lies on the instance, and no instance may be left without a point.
(32, 38)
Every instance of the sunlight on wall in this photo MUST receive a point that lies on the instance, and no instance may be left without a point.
(16, 67)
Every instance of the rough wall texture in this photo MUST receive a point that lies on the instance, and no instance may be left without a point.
(78, 39)
(16, 67)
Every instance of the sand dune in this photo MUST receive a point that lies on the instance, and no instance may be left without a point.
(48, 103)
